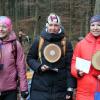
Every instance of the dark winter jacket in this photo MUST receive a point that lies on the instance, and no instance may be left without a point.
(50, 85)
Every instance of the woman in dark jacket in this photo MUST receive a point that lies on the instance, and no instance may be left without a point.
(52, 79)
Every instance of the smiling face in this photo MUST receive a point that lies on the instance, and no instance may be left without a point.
(53, 28)
(3, 30)
(5, 26)
(95, 28)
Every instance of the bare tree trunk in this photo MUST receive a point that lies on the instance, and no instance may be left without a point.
(36, 18)
(97, 7)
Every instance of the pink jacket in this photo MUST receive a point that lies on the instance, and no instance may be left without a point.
(8, 73)
(86, 85)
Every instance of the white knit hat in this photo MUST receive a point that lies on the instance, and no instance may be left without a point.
(53, 18)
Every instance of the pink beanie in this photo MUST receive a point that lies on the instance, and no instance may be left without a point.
(7, 21)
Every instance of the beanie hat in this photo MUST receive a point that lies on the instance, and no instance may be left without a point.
(95, 18)
(6, 21)
(53, 18)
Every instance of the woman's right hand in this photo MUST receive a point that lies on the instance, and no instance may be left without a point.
(98, 77)
(44, 68)
(80, 73)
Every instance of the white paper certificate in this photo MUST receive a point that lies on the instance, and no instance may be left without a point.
(83, 65)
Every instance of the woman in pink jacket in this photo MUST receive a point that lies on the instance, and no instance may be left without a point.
(12, 63)
(85, 49)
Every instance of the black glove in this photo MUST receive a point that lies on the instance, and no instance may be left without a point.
(39, 69)
(24, 94)
(69, 93)
(1, 66)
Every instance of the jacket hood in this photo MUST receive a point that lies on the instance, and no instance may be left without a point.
(90, 38)
(51, 37)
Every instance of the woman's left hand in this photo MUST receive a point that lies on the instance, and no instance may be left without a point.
(98, 77)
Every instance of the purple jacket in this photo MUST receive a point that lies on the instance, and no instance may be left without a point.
(8, 73)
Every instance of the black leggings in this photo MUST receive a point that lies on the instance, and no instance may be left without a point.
(11, 95)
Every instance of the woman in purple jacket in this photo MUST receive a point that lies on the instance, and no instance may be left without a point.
(12, 63)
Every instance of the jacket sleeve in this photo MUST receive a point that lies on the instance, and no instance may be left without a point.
(75, 54)
(32, 57)
(71, 81)
(21, 67)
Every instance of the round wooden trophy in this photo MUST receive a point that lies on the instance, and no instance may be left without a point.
(96, 60)
(52, 53)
